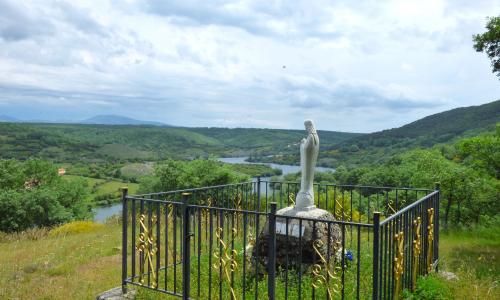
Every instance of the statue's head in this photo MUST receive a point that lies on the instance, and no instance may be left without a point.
(309, 126)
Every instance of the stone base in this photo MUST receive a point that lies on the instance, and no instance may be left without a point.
(298, 246)
(116, 294)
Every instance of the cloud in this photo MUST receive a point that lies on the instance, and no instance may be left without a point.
(354, 66)
(19, 21)
(345, 95)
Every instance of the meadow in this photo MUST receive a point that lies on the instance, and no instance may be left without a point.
(79, 259)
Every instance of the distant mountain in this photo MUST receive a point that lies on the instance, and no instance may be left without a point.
(4, 118)
(118, 120)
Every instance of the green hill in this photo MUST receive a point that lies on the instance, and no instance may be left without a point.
(440, 127)
(379, 146)
(81, 142)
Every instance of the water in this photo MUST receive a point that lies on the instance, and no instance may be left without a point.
(102, 213)
(286, 169)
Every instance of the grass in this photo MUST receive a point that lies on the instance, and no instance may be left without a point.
(85, 260)
(105, 191)
(474, 256)
(70, 266)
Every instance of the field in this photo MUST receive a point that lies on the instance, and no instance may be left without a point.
(105, 191)
(78, 262)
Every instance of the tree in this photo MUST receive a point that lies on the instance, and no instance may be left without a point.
(489, 42)
(33, 195)
(173, 175)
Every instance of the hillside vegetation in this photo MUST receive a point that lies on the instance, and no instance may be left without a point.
(90, 143)
(379, 147)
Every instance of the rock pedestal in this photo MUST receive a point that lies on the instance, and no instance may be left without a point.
(299, 246)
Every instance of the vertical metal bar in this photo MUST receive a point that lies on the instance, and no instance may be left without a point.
(245, 230)
(351, 215)
(232, 245)
(257, 259)
(150, 246)
(319, 195)
(385, 230)
(376, 228)
(342, 255)
(358, 259)
(436, 227)
(186, 260)
(381, 259)
(397, 202)
(343, 205)
(314, 237)
(199, 252)
(286, 257)
(266, 184)
(335, 202)
(174, 258)
(281, 194)
(124, 239)
(271, 255)
(166, 246)
(300, 259)
(158, 248)
(132, 247)
(258, 193)
(326, 199)
(210, 246)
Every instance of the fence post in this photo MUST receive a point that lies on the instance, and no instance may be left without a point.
(186, 255)
(436, 228)
(124, 239)
(376, 229)
(271, 254)
(258, 192)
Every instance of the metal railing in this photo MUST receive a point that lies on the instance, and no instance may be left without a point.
(229, 242)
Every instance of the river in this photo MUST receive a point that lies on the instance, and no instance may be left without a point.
(102, 213)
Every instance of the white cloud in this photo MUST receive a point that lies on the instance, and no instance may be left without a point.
(244, 63)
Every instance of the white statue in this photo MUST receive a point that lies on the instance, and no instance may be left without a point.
(309, 149)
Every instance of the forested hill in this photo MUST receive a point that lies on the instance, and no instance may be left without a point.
(379, 146)
(424, 133)
(72, 142)
(441, 126)
(265, 141)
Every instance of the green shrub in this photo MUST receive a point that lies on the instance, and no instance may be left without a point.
(32, 195)
(75, 227)
(173, 175)
(429, 288)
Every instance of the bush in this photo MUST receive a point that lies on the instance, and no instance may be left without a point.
(429, 288)
(32, 195)
(173, 175)
(75, 227)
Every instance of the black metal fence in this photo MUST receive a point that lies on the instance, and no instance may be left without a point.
(228, 242)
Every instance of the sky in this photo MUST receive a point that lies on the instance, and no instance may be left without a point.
(357, 66)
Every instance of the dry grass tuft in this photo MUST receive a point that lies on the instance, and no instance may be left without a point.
(32, 234)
